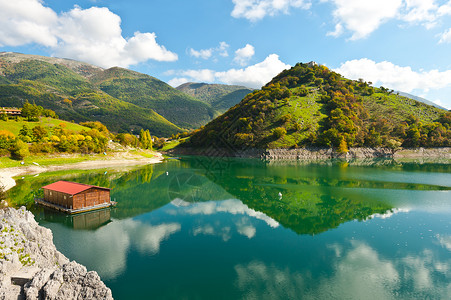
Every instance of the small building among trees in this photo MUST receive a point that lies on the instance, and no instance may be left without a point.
(73, 197)
(10, 111)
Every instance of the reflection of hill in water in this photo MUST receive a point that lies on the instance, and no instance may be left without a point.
(315, 197)
(318, 197)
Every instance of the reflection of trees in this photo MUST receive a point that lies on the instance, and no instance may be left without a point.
(310, 203)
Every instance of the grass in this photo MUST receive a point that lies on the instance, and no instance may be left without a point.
(172, 144)
(7, 162)
(15, 126)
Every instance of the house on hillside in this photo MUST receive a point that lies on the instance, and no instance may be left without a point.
(11, 111)
(73, 197)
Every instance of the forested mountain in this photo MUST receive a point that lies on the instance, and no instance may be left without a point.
(121, 99)
(221, 97)
(310, 105)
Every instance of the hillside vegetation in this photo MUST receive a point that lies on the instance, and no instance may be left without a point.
(121, 99)
(310, 105)
(221, 97)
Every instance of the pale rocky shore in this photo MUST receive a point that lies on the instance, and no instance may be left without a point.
(32, 268)
(118, 160)
(317, 153)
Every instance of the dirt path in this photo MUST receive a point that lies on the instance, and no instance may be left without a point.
(7, 174)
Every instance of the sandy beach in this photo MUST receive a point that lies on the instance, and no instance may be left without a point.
(7, 174)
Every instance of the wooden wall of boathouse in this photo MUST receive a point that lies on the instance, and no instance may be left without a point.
(91, 197)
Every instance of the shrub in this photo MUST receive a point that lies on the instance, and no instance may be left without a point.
(19, 149)
(279, 132)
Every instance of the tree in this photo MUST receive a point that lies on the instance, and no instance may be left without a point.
(39, 132)
(145, 139)
(19, 149)
(3, 116)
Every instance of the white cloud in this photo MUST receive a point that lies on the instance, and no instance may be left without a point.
(255, 10)
(92, 35)
(445, 37)
(253, 76)
(26, 21)
(420, 11)
(208, 53)
(243, 55)
(395, 77)
(204, 75)
(362, 17)
(223, 46)
(256, 75)
(177, 81)
(205, 53)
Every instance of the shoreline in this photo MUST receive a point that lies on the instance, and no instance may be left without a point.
(317, 153)
(7, 174)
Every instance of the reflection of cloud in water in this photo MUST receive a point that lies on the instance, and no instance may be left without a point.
(389, 213)
(445, 241)
(359, 273)
(231, 206)
(259, 281)
(223, 232)
(112, 242)
(246, 229)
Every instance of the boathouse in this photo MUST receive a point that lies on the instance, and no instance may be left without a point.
(75, 197)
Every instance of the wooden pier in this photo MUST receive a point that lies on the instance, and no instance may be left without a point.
(42, 202)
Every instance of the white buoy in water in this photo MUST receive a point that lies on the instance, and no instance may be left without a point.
(167, 173)
(280, 195)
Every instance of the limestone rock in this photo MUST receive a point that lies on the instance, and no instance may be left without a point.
(28, 255)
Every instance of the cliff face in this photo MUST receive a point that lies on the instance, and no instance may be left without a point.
(32, 268)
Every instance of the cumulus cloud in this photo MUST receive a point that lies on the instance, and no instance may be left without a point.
(243, 55)
(255, 10)
(362, 17)
(208, 53)
(26, 21)
(395, 77)
(256, 75)
(93, 35)
(252, 76)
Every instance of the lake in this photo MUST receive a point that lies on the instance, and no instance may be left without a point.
(222, 228)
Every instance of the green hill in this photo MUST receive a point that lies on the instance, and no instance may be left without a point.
(221, 97)
(149, 92)
(310, 105)
(121, 99)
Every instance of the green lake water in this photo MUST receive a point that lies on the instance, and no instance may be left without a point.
(220, 228)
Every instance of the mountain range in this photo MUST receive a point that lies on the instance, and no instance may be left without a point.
(122, 99)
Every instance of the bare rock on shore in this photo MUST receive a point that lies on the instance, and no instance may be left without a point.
(32, 268)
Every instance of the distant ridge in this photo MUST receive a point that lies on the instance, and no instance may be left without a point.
(124, 100)
(421, 100)
(221, 97)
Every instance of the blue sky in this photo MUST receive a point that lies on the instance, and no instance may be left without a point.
(401, 44)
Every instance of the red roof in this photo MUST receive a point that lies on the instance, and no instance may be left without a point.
(70, 188)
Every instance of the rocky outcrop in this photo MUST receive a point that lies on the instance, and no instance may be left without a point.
(317, 153)
(32, 268)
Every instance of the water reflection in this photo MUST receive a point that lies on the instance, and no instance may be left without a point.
(359, 272)
(84, 221)
(340, 230)
(316, 197)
